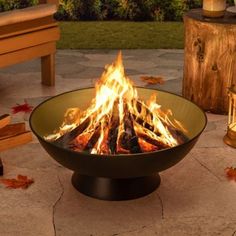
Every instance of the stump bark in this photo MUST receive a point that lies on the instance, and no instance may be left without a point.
(210, 60)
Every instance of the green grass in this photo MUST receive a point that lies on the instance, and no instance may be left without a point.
(120, 35)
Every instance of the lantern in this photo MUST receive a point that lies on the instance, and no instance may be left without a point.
(214, 8)
(230, 137)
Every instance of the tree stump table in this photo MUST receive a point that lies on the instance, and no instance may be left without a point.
(210, 60)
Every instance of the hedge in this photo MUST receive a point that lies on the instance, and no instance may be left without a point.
(136, 10)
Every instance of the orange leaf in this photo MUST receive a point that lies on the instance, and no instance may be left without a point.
(20, 182)
(231, 173)
(152, 80)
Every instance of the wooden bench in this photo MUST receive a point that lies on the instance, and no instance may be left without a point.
(30, 33)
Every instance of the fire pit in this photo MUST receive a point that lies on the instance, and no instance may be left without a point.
(117, 160)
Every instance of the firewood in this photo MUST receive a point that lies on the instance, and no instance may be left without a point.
(80, 142)
(128, 139)
(12, 129)
(157, 143)
(4, 120)
(113, 131)
(140, 121)
(147, 147)
(16, 140)
(93, 140)
(104, 145)
(133, 144)
(149, 139)
(176, 133)
(1, 167)
(68, 138)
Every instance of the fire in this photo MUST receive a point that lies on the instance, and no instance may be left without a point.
(117, 121)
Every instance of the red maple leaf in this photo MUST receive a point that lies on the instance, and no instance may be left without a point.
(231, 173)
(20, 182)
(26, 108)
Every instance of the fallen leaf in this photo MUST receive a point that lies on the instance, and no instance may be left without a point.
(20, 182)
(152, 80)
(26, 108)
(231, 173)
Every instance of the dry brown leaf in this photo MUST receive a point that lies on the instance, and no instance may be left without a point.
(20, 182)
(231, 173)
(152, 79)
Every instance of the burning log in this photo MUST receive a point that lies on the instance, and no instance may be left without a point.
(79, 143)
(176, 133)
(147, 147)
(93, 140)
(129, 140)
(113, 131)
(102, 145)
(66, 140)
(158, 143)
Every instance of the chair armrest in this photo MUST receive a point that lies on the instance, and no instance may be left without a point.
(26, 14)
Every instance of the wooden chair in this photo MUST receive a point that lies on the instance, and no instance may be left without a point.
(30, 33)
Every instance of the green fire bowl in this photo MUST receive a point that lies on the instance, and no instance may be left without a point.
(116, 177)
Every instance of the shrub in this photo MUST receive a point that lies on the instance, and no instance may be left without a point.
(194, 3)
(174, 9)
(109, 9)
(90, 10)
(68, 10)
(139, 10)
(6, 5)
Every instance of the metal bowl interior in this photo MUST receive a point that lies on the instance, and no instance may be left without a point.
(49, 115)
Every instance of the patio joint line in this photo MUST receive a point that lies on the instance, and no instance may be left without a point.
(209, 170)
(131, 231)
(55, 205)
(162, 206)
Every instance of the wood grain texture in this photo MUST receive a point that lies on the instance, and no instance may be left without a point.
(27, 27)
(27, 54)
(209, 63)
(11, 130)
(4, 120)
(25, 40)
(28, 40)
(15, 140)
(48, 70)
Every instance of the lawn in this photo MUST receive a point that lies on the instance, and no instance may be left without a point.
(121, 35)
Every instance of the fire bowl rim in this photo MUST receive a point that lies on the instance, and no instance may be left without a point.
(114, 156)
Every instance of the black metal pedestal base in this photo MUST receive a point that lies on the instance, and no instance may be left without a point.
(115, 189)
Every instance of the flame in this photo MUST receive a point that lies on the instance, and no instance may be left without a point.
(117, 117)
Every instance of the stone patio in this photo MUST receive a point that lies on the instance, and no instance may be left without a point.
(194, 198)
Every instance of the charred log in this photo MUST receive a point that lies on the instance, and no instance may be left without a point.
(157, 143)
(66, 139)
(178, 135)
(113, 132)
(93, 140)
(147, 147)
(129, 139)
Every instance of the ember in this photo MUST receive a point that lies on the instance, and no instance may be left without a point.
(118, 121)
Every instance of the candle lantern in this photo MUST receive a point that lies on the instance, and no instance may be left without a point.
(214, 8)
(230, 137)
